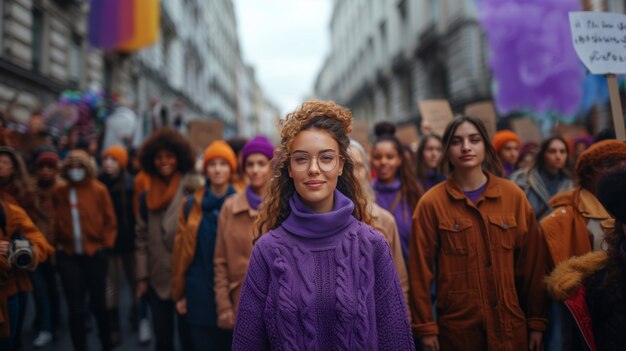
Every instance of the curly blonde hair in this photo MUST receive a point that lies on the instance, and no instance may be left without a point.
(320, 115)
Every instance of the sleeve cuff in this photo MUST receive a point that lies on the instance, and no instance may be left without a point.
(425, 329)
(537, 324)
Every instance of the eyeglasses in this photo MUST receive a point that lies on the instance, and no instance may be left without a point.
(326, 161)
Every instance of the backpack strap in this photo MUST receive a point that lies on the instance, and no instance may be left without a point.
(143, 207)
(189, 201)
(3, 220)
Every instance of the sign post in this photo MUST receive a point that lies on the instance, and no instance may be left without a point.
(599, 40)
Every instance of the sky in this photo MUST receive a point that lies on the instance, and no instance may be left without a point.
(286, 41)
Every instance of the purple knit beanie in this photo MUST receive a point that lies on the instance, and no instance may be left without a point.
(258, 144)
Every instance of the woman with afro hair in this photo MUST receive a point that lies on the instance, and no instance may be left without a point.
(166, 157)
(321, 277)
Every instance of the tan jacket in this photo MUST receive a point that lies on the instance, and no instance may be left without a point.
(488, 262)
(235, 236)
(154, 243)
(384, 222)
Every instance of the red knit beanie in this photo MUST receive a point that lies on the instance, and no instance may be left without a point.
(599, 152)
(118, 153)
(220, 149)
(502, 137)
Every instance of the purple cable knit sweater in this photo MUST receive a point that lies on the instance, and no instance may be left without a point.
(321, 282)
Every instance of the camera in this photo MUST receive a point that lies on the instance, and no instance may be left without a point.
(20, 252)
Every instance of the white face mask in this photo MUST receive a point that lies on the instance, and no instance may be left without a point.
(76, 174)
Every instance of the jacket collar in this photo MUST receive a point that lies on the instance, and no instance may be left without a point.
(492, 191)
(241, 204)
(590, 207)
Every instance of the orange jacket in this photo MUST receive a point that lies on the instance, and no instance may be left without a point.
(17, 221)
(488, 263)
(233, 247)
(97, 218)
(565, 229)
(185, 243)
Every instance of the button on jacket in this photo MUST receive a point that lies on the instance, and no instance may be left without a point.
(488, 263)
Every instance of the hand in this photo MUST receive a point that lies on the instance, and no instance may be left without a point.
(4, 248)
(181, 306)
(142, 288)
(226, 320)
(430, 343)
(535, 342)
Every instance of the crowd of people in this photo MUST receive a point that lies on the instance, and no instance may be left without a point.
(471, 243)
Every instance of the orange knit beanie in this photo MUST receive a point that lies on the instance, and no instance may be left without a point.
(118, 153)
(220, 149)
(502, 137)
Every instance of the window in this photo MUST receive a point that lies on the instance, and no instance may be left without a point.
(37, 46)
(75, 61)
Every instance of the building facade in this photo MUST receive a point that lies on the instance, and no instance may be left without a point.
(388, 55)
(44, 50)
(194, 70)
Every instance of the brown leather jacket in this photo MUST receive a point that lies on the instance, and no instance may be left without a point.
(488, 263)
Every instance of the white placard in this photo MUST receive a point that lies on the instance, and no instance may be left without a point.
(600, 40)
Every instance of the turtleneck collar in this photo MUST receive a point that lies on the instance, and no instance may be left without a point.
(253, 199)
(387, 187)
(305, 223)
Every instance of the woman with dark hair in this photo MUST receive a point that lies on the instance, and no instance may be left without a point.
(428, 164)
(547, 177)
(395, 186)
(166, 157)
(321, 278)
(594, 285)
(578, 223)
(476, 238)
(194, 249)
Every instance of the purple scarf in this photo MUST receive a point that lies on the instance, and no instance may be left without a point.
(305, 223)
(254, 200)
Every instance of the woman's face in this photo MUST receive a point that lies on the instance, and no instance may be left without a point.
(360, 172)
(6, 166)
(258, 170)
(315, 166)
(510, 152)
(165, 163)
(386, 161)
(218, 171)
(555, 156)
(432, 153)
(467, 147)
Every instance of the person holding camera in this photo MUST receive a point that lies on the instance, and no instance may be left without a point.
(85, 228)
(22, 247)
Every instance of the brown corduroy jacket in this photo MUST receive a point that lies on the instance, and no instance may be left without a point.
(488, 263)
(235, 235)
(98, 224)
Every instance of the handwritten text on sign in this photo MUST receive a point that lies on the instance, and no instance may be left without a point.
(600, 40)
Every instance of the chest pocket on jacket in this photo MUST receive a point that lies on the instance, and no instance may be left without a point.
(502, 230)
(454, 236)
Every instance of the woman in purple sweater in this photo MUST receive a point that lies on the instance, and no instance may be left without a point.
(321, 278)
